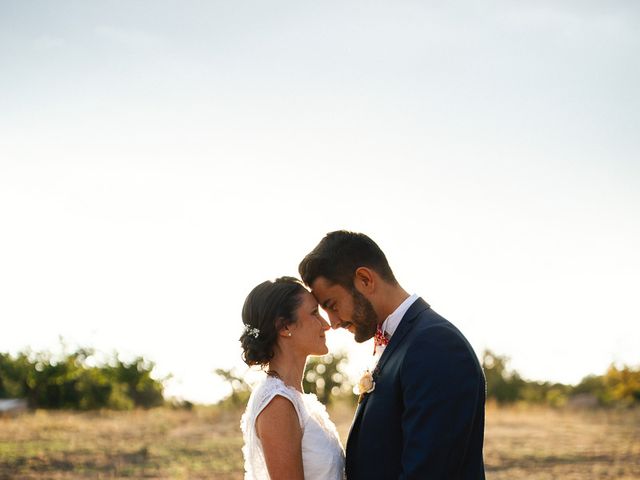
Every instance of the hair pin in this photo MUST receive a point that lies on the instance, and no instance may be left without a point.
(251, 331)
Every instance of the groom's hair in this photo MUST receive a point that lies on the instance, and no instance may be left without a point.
(339, 254)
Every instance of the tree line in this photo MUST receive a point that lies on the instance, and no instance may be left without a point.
(617, 387)
(74, 381)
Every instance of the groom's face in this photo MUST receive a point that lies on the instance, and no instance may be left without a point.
(346, 309)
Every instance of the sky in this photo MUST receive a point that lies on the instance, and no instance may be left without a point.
(159, 159)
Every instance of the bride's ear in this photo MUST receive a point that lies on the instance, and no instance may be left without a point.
(283, 331)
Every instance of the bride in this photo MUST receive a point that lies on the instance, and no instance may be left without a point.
(287, 433)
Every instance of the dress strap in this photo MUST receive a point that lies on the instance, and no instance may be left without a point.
(273, 387)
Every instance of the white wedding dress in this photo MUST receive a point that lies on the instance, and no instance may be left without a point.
(322, 453)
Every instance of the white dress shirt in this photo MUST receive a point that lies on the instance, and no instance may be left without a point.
(391, 323)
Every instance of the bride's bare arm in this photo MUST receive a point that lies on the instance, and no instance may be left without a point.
(279, 431)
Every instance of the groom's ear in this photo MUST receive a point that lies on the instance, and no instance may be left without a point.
(364, 280)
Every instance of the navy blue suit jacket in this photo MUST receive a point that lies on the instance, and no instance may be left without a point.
(425, 417)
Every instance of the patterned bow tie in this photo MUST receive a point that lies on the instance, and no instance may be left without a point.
(380, 339)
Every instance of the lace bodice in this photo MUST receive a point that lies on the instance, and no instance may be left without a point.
(322, 453)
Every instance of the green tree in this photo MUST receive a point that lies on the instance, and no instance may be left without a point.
(70, 381)
(240, 389)
(325, 377)
(136, 378)
(592, 385)
(503, 385)
(622, 386)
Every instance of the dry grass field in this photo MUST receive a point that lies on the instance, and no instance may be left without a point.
(526, 443)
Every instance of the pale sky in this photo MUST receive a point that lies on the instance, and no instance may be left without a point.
(158, 159)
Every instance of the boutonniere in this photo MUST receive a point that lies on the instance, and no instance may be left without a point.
(366, 384)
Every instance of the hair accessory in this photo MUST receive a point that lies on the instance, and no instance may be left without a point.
(251, 331)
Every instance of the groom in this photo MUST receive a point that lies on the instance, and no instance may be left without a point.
(424, 418)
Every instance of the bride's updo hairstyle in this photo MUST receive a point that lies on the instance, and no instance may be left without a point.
(269, 307)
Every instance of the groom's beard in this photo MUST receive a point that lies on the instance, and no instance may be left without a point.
(364, 317)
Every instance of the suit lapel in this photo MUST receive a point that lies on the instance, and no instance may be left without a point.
(403, 328)
(356, 417)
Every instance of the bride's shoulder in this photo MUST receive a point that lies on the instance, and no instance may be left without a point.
(265, 390)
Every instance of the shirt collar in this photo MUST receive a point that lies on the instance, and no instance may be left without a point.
(390, 325)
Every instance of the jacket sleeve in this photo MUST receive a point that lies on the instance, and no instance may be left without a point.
(441, 384)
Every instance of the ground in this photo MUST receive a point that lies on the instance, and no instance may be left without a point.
(531, 443)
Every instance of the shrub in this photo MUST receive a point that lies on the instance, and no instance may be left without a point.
(70, 382)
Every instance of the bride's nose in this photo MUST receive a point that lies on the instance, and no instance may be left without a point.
(325, 325)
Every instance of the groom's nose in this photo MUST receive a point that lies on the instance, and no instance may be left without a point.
(335, 320)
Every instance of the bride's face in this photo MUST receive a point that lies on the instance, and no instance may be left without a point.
(308, 332)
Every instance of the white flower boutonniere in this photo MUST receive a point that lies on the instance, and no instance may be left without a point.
(365, 385)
